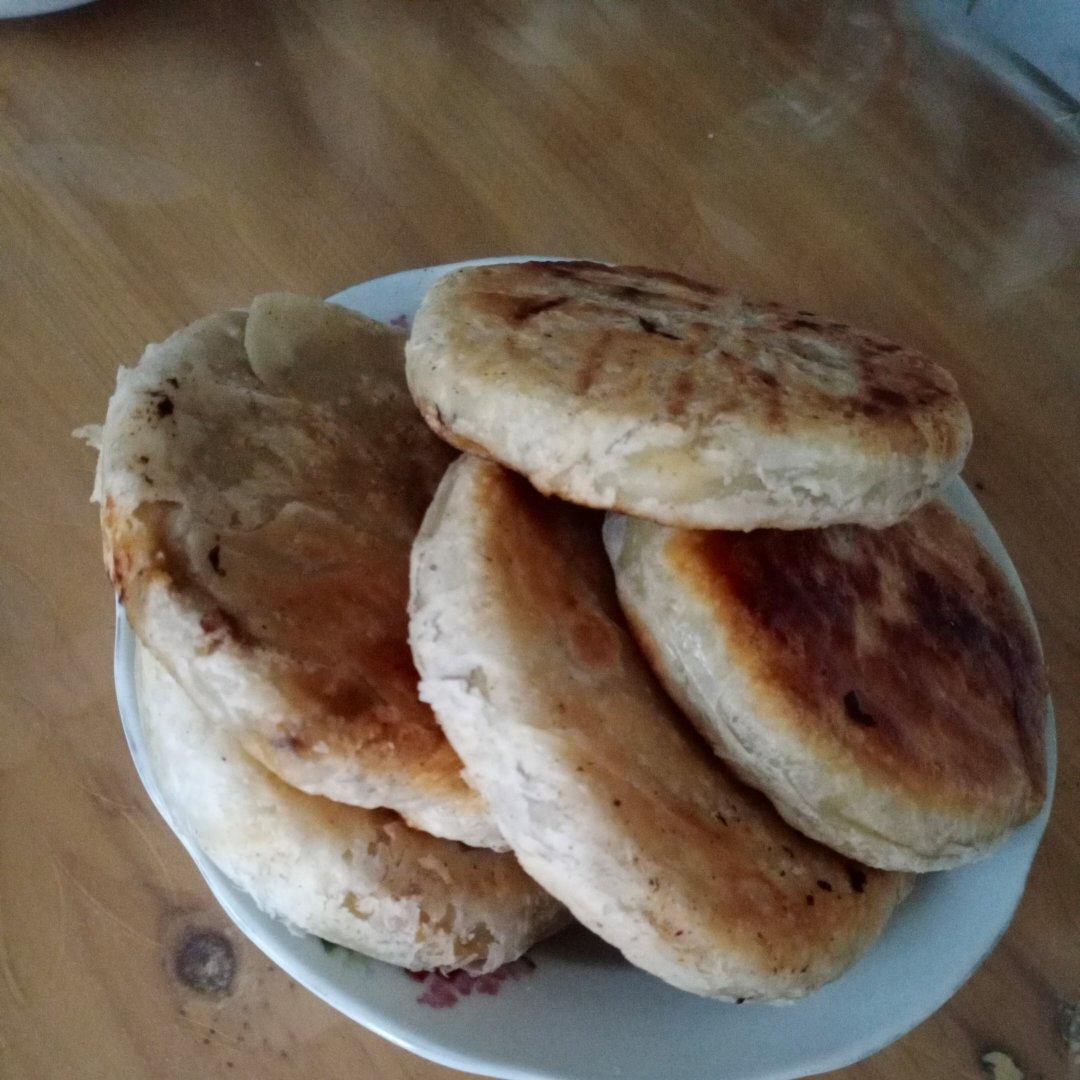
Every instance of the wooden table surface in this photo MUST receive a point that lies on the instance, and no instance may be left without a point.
(159, 160)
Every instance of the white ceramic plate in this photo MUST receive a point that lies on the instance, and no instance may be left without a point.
(18, 9)
(584, 1013)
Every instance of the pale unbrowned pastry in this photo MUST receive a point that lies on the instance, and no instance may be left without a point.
(359, 878)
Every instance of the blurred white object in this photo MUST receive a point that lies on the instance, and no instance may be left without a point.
(17, 9)
(1035, 47)
(1045, 34)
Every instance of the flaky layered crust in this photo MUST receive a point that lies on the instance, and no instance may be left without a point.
(883, 687)
(631, 389)
(359, 878)
(605, 794)
(260, 480)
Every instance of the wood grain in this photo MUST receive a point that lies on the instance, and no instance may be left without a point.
(159, 160)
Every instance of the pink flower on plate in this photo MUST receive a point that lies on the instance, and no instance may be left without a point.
(443, 991)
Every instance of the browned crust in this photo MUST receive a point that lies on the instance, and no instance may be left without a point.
(714, 847)
(657, 344)
(313, 603)
(902, 650)
(361, 702)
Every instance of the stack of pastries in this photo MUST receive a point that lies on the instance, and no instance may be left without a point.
(682, 645)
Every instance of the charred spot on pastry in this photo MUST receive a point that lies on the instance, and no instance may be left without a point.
(652, 328)
(857, 877)
(530, 307)
(855, 711)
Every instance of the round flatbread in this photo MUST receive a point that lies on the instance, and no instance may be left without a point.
(261, 478)
(358, 878)
(641, 391)
(883, 687)
(608, 798)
